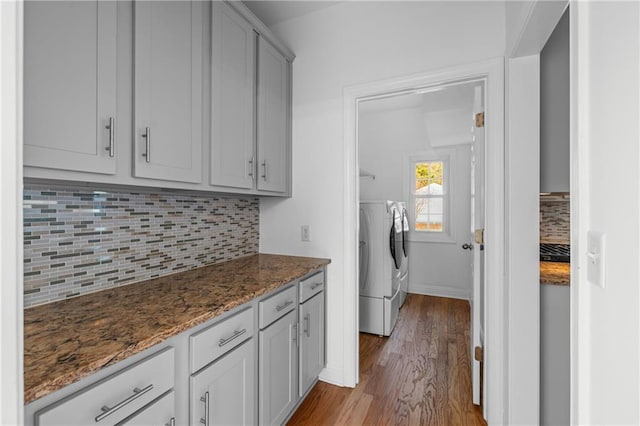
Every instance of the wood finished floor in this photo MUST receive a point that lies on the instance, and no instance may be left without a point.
(420, 375)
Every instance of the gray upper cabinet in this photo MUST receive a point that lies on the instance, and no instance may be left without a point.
(70, 85)
(555, 110)
(156, 94)
(273, 118)
(250, 104)
(168, 90)
(233, 54)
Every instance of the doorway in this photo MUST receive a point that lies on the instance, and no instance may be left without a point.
(490, 74)
(425, 149)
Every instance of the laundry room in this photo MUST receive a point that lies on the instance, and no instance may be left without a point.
(421, 150)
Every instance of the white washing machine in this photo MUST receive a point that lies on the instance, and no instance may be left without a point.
(381, 265)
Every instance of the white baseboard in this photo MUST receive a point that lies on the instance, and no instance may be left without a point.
(440, 291)
(333, 376)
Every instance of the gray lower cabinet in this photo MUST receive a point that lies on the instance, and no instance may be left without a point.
(117, 397)
(312, 342)
(70, 85)
(224, 392)
(159, 412)
(210, 375)
(278, 369)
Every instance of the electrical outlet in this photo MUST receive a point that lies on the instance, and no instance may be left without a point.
(304, 233)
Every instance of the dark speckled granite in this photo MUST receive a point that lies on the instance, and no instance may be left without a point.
(68, 340)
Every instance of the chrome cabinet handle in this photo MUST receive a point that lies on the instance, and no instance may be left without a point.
(205, 399)
(235, 335)
(295, 333)
(316, 285)
(251, 167)
(284, 305)
(264, 168)
(137, 393)
(147, 136)
(172, 422)
(112, 137)
(307, 320)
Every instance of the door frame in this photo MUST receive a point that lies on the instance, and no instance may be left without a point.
(493, 71)
(11, 243)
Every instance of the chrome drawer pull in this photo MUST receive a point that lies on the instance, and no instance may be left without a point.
(205, 399)
(235, 335)
(137, 393)
(172, 422)
(316, 285)
(284, 305)
(112, 137)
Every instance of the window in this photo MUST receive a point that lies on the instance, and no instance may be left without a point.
(429, 197)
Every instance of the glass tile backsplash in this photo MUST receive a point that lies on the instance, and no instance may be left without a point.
(81, 241)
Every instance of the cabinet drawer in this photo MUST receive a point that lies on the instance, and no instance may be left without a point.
(212, 342)
(277, 305)
(311, 286)
(116, 397)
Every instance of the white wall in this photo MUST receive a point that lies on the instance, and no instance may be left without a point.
(605, 194)
(386, 138)
(348, 44)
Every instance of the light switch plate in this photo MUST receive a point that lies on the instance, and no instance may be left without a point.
(596, 258)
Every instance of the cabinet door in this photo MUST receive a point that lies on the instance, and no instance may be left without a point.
(70, 85)
(278, 369)
(159, 412)
(233, 43)
(224, 392)
(168, 84)
(312, 341)
(273, 118)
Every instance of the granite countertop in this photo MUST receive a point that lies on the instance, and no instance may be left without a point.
(556, 273)
(68, 340)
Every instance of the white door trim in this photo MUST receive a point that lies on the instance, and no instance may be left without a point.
(11, 367)
(493, 71)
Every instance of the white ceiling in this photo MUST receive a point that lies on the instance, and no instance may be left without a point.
(273, 12)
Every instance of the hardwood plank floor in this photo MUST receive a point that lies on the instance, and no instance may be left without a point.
(421, 375)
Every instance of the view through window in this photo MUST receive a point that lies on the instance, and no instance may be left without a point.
(429, 194)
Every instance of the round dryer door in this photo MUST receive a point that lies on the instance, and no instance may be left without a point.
(395, 239)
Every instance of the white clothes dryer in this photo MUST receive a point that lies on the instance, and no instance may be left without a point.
(381, 261)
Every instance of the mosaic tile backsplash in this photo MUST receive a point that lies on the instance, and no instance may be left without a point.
(81, 241)
(554, 222)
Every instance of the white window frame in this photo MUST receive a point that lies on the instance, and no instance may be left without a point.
(447, 157)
